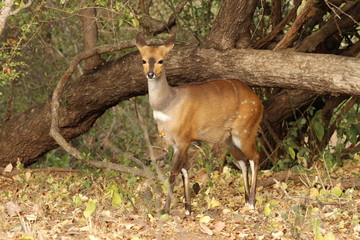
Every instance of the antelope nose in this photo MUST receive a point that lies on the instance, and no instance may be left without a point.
(151, 75)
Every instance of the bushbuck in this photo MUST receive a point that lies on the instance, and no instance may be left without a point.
(218, 111)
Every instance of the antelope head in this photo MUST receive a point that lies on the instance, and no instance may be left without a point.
(153, 57)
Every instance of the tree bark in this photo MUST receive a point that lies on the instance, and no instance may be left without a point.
(88, 20)
(231, 27)
(26, 136)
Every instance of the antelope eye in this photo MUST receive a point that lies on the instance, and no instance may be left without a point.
(160, 62)
(143, 61)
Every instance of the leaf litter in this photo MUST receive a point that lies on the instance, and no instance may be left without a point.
(112, 205)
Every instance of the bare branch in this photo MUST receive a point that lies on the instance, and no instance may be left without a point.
(278, 28)
(28, 4)
(332, 26)
(310, 9)
(6, 11)
(158, 26)
(172, 19)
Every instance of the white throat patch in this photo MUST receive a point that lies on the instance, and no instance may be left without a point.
(160, 116)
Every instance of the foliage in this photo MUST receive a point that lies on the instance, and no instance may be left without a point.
(301, 145)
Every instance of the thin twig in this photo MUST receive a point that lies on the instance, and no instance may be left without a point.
(332, 6)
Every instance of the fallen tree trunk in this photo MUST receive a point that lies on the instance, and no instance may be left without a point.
(26, 137)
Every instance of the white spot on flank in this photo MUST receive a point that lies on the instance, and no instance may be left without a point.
(160, 116)
(246, 131)
(244, 102)
(236, 141)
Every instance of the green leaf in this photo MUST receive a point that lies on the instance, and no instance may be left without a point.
(77, 200)
(267, 210)
(165, 217)
(319, 130)
(336, 191)
(317, 232)
(205, 219)
(90, 207)
(116, 199)
(291, 152)
(26, 238)
(314, 192)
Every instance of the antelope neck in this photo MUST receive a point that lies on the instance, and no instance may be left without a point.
(161, 94)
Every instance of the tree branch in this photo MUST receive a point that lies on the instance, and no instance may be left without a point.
(28, 4)
(158, 26)
(26, 137)
(90, 35)
(310, 9)
(278, 28)
(332, 26)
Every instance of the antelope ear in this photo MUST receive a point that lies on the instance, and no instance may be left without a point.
(170, 42)
(140, 41)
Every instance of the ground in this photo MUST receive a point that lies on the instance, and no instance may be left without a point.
(67, 204)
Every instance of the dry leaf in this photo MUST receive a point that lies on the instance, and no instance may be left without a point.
(277, 235)
(13, 209)
(218, 227)
(31, 217)
(243, 235)
(92, 237)
(27, 175)
(8, 168)
(205, 229)
(226, 211)
(36, 208)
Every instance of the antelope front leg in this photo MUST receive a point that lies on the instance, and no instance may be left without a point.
(179, 164)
